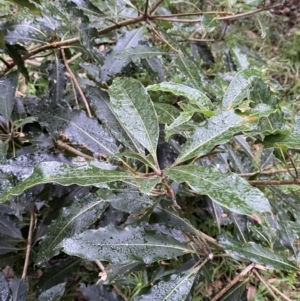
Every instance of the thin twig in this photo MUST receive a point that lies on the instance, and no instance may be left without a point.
(146, 8)
(238, 278)
(73, 77)
(277, 291)
(190, 14)
(247, 14)
(274, 182)
(102, 268)
(155, 6)
(265, 284)
(73, 150)
(28, 247)
(74, 57)
(267, 172)
(295, 168)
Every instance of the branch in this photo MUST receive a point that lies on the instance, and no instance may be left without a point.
(274, 182)
(267, 172)
(73, 77)
(155, 6)
(73, 150)
(28, 248)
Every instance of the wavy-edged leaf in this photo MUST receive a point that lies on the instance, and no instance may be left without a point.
(63, 174)
(118, 245)
(83, 212)
(228, 190)
(256, 253)
(176, 288)
(8, 86)
(195, 96)
(113, 65)
(238, 88)
(166, 113)
(217, 130)
(135, 110)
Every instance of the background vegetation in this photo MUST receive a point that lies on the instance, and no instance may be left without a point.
(149, 150)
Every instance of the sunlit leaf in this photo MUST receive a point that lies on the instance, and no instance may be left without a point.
(228, 190)
(119, 245)
(256, 253)
(135, 110)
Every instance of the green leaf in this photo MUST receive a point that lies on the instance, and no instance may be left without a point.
(3, 151)
(83, 212)
(217, 130)
(53, 293)
(8, 86)
(176, 288)
(147, 184)
(135, 110)
(29, 5)
(124, 245)
(237, 90)
(63, 174)
(166, 113)
(194, 96)
(146, 160)
(256, 253)
(228, 190)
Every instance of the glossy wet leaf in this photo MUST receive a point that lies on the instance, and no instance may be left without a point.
(148, 161)
(147, 184)
(134, 108)
(237, 90)
(229, 190)
(100, 103)
(76, 218)
(99, 293)
(113, 65)
(217, 130)
(256, 253)
(19, 288)
(63, 174)
(195, 96)
(119, 245)
(8, 86)
(176, 288)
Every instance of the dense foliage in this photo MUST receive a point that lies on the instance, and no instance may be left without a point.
(147, 141)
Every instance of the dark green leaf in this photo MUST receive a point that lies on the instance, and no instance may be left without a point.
(83, 212)
(19, 288)
(30, 5)
(124, 245)
(256, 253)
(113, 65)
(63, 174)
(8, 86)
(135, 110)
(228, 190)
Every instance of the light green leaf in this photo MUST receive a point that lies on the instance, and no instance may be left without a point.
(147, 184)
(63, 174)
(194, 96)
(146, 160)
(256, 253)
(135, 110)
(166, 113)
(228, 190)
(176, 288)
(8, 86)
(124, 245)
(238, 87)
(83, 212)
(217, 130)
